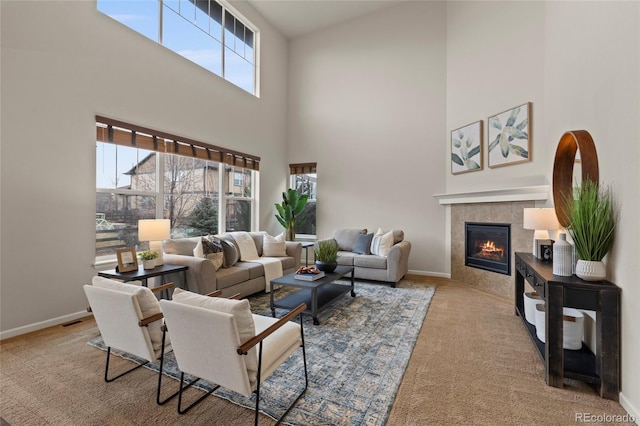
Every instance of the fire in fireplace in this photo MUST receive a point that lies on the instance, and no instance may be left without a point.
(488, 246)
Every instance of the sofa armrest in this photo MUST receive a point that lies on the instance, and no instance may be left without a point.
(201, 275)
(398, 260)
(294, 249)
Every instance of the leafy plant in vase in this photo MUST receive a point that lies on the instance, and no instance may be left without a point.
(148, 258)
(290, 210)
(592, 223)
(326, 252)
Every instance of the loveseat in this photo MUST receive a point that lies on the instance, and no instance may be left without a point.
(355, 250)
(234, 276)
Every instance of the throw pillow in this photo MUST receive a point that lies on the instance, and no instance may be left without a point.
(240, 309)
(210, 248)
(274, 247)
(146, 301)
(381, 243)
(230, 251)
(363, 244)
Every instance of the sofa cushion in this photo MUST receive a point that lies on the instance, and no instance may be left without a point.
(381, 243)
(346, 258)
(274, 246)
(226, 277)
(346, 238)
(398, 236)
(255, 269)
(288, 263)
(258, 240)
(363, 244)
(370, 261)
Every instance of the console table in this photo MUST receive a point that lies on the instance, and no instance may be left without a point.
(601, 368)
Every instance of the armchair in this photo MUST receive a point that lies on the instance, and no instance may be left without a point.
(219, 340)
(129, 319)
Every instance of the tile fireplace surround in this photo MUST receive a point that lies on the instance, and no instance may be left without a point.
(495, 212)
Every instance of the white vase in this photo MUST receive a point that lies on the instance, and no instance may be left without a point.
(562, 256)
(149, 264)
(590, 270)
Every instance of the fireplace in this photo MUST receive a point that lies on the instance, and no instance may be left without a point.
(488, 246)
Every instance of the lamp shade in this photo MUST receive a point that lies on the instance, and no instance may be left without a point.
(154, 229)
(538, 218)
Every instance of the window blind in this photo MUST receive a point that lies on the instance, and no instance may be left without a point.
(121, 133)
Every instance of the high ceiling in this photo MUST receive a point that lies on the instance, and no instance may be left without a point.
(294, 18)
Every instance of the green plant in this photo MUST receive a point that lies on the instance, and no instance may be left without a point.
(148, 255)
(289, 210)
(592, 221)
(326, 251)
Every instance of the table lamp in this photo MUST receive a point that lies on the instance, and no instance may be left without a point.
(540, 220)
(154, 231)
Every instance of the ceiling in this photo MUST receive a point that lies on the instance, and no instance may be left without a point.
(295, 18)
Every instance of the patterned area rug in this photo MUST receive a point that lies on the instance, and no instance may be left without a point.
(356, 358)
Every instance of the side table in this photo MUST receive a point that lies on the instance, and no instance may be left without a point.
(305, 246)
(144, 274)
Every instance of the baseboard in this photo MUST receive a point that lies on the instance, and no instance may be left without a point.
(42, 324)
(429, 273)
(629, 408)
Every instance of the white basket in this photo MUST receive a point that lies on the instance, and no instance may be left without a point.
(572, 327)
(530, 301)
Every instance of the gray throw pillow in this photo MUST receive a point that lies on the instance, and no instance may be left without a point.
(363, 244)
(230, 251)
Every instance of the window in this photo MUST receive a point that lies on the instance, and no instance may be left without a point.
(140, 174)
(304, 179)
(205, 32)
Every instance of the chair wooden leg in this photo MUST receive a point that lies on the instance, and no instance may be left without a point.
(106, 368)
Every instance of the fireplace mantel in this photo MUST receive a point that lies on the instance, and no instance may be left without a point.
(522, 193)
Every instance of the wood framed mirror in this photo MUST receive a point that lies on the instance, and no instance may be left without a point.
(568, 146)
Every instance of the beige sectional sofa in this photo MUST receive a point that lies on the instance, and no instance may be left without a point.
(234, 276)
(390, 268)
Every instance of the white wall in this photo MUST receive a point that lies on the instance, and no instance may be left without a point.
(63, 63)
(367, 103)
(578, 63)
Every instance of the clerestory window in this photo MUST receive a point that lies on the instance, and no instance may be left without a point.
(206, 32)
(143, 174)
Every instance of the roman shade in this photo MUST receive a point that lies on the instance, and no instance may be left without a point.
(302, 168)
(131, 135)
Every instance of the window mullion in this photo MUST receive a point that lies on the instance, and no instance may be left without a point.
(160, 186)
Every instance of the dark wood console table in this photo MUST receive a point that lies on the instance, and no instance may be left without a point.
(601, 369)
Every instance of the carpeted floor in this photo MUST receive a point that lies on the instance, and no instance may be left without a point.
(473, 363)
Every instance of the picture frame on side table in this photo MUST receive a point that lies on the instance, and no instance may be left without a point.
(544, 250)
(509, 136)
(466, 148)
(127, 259)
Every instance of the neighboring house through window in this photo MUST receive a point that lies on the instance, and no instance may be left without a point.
(207, 32)
(304, 178)
(147, 176)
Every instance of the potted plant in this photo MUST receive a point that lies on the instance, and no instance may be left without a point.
(290, 210)
(326, 252)
(148, 258)
(592, 222)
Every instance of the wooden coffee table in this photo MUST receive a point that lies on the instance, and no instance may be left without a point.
(316, 294)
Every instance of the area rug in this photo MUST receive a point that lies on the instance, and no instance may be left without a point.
(356, 358)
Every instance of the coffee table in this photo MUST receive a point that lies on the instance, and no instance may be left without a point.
(316, 294)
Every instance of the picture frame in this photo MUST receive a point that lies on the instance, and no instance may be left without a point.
(466, 148)
(544, 250)
(509, 136)
(127, 260)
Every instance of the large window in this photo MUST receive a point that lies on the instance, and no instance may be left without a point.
(137, 177)
(206, 32)
(304, 178)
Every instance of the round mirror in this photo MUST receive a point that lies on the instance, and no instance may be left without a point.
(563, 171)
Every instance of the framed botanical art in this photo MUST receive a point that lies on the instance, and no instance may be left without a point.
(127, 260)
(510, 136)
(466, 148)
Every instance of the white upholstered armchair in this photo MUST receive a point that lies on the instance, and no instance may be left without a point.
(219, 340)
